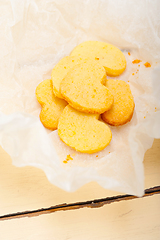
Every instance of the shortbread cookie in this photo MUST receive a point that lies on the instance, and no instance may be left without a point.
(51, 105)
(83, 88)
(82, 131)
(61, 69)
(111, 58)
(123, 106)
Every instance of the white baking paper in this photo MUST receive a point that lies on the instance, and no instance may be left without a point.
(34, 36)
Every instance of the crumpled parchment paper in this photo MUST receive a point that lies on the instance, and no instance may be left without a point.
(34, 36)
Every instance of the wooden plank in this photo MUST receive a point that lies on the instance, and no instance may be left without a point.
(152, 165)
(27, 188)
(136, 219)
(71, 206)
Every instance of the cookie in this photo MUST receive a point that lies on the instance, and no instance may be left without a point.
(123, 106)
(61, 69)
(82, 131)
(51, 105)
(83, 88)
(111, 58)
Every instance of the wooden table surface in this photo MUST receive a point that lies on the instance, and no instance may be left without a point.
(25, 191)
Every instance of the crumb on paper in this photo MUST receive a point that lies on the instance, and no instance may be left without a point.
(96, 155)
(138, 65)
(132, 73)
(144, 117)
(155, 109)
(109, 152)
(136, 61)
(129, 53)
(65, 161)
(147, 64)
(68, 158)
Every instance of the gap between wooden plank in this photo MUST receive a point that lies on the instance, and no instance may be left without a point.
(91, 204)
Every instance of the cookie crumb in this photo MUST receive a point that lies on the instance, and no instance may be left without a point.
(132, 73)
(136, 61)
(69, 157)
(129, 53)
(96, 155)
(147, 64)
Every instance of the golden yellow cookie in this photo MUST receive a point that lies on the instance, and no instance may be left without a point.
(83, 88)
(51, 105)
(82, 131)
(61, 69)
(111, 58)
(123, 105)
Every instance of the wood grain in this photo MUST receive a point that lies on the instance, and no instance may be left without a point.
(96, 203)
(137, 219)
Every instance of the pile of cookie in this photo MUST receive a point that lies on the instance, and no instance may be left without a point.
(79, 99)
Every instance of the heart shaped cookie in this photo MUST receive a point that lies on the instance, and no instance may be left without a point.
(51, 105)
(111, 58)
(123, 106)
(61, 69)
(83, 88)
(83, 132)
